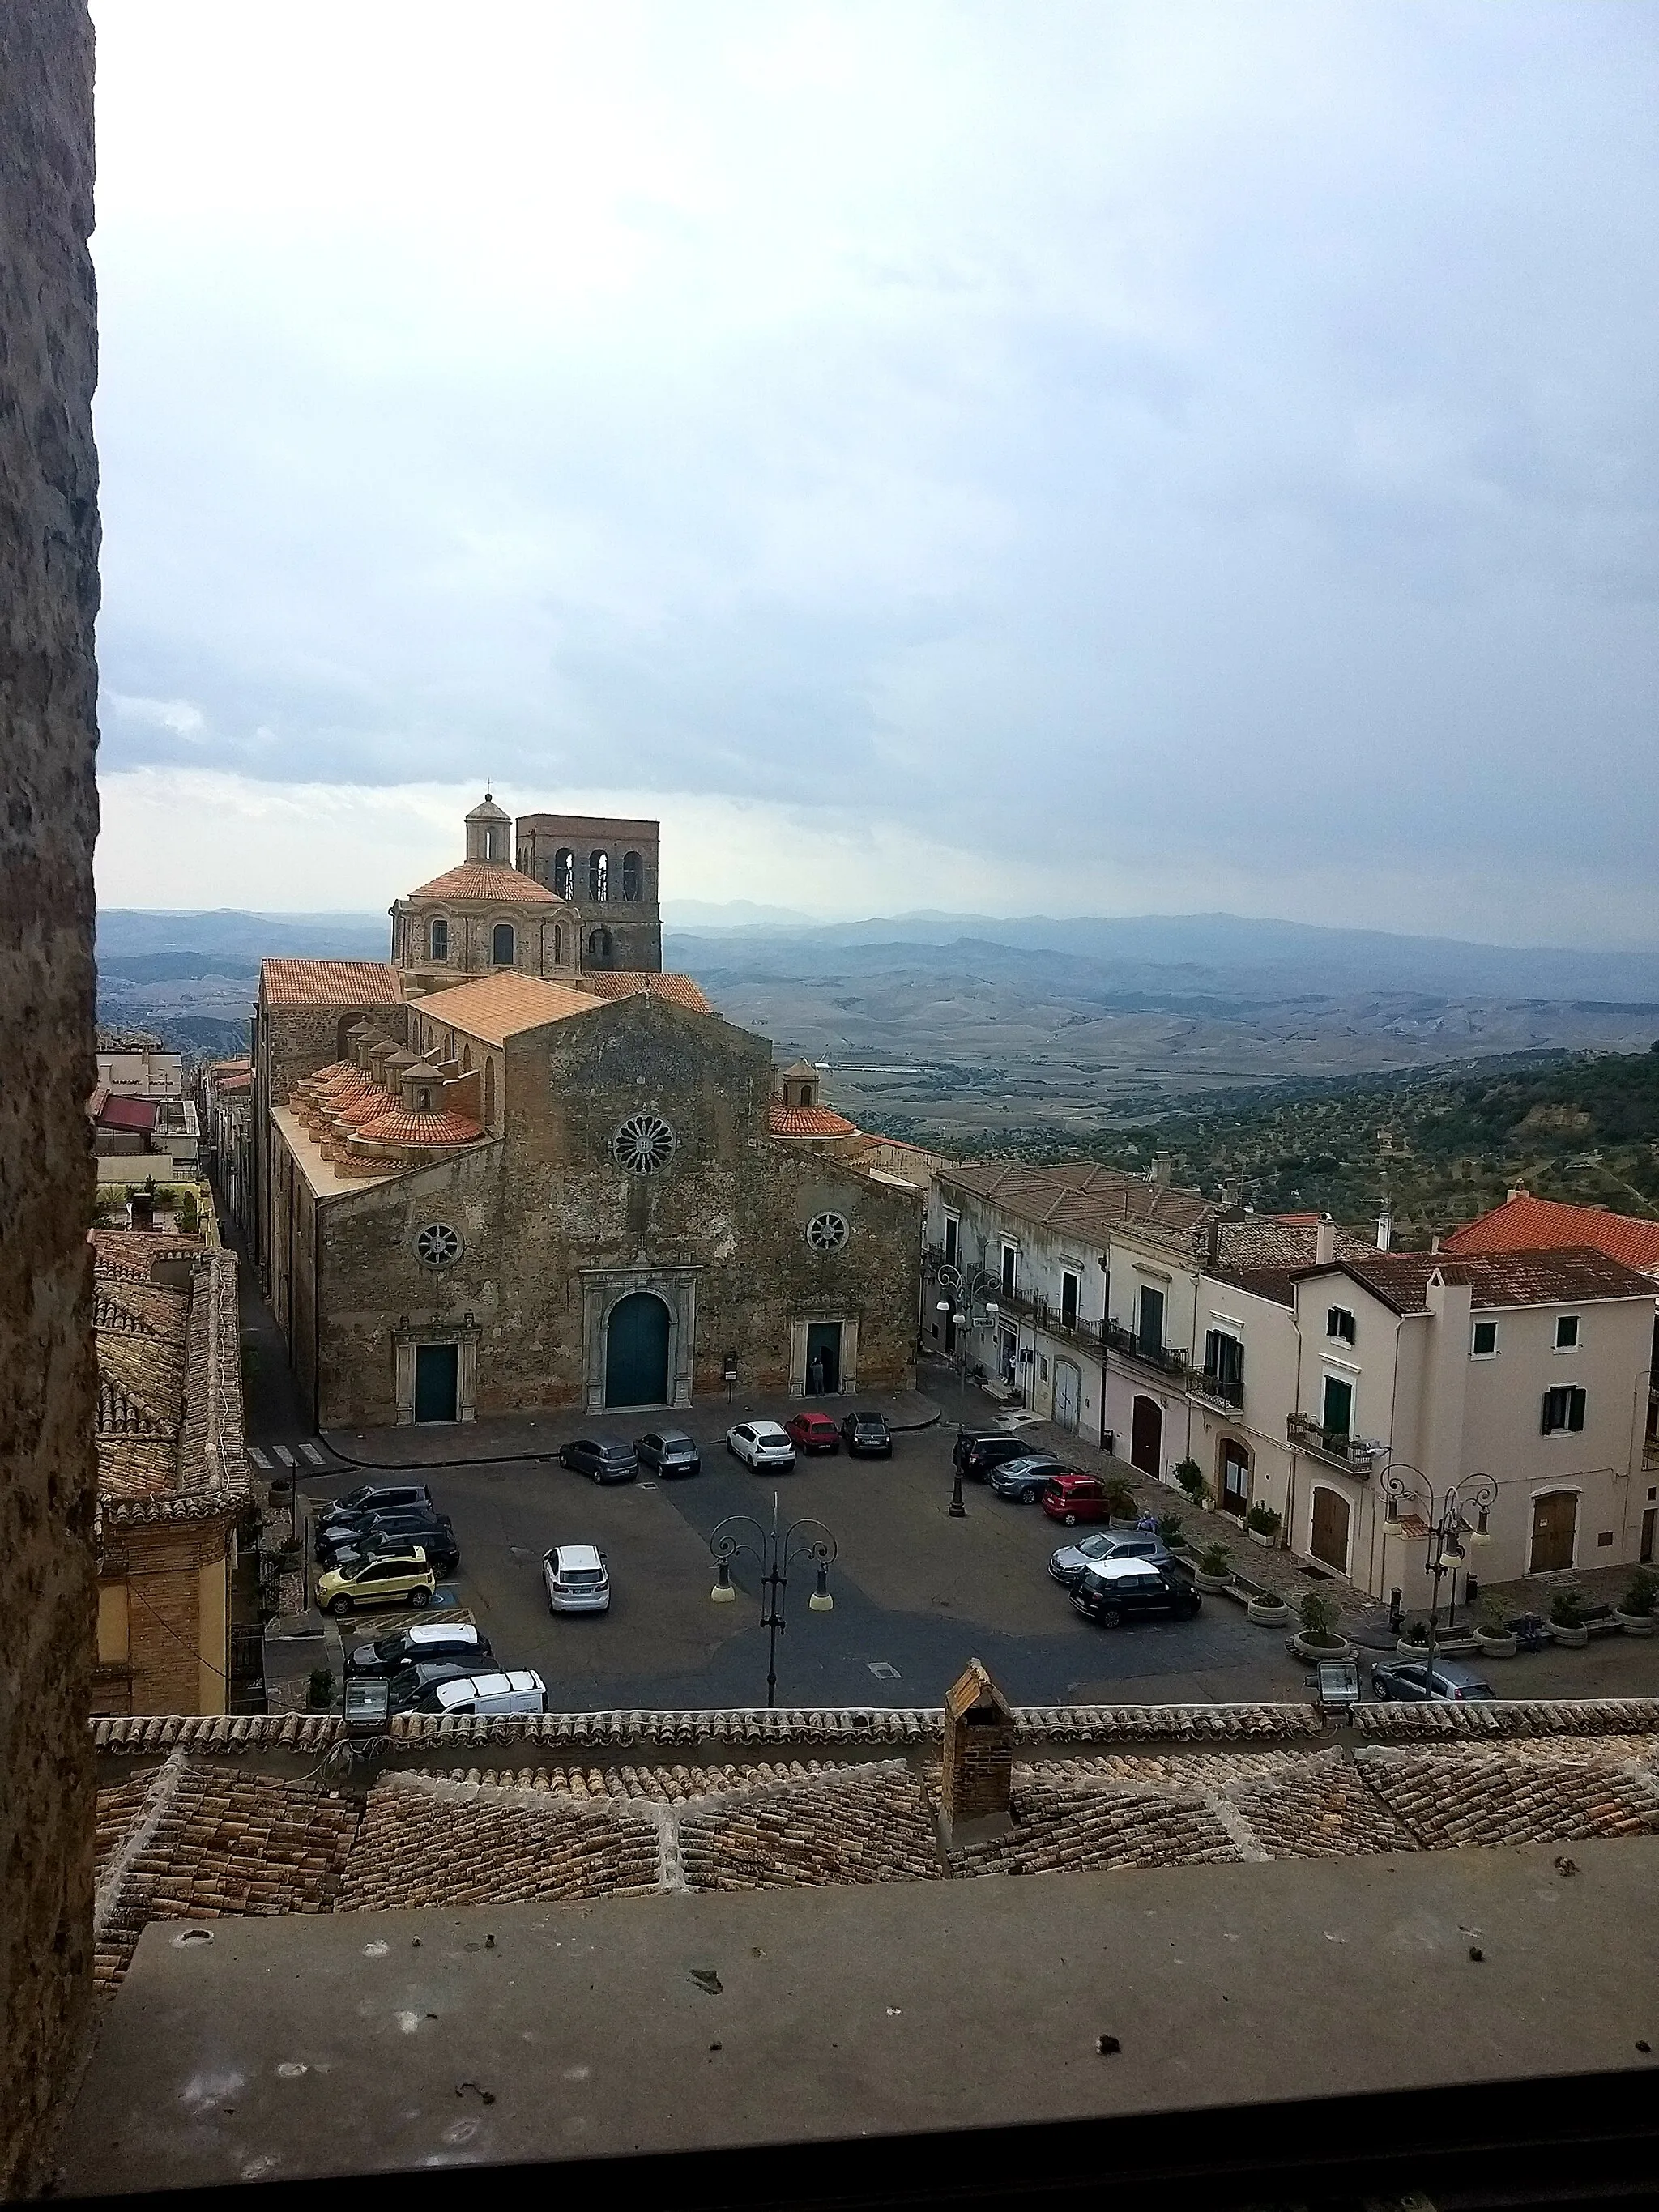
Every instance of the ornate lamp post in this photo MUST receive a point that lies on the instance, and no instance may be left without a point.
(775, 1552)
(1450, 1532)
(964, 1302)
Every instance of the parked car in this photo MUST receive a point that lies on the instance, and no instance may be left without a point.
(668, 1452)
(427, 1640)
(1026, 1478)
(520, 1691)
(411, 1685)
(607, 1459)
(866, 1436)
(395, 1578)
(374, 1498)
(761, 1445)
(1407, 1679)
(976, 1451)
(1074, 1498)
(813, 1432)
(1112, 1591)
(412, 1522)
(576, 1578)
(1066, 1565)
(443, 1552)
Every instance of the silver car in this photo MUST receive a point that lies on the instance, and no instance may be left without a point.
(1068, 1564)
(1025, 1478)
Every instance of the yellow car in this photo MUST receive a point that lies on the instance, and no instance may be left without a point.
(391, 1579)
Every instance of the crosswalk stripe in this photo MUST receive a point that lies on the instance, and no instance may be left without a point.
(258, 1459)
(283, 1453)
(311, 1452)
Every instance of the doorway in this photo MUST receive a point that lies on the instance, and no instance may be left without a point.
(636, 1351)
(1068, 1393)
(1149, 1328)
(1235, 1487)
(437, 1381)
(1554, 1525)
(1648, 1520)
(822, 1359)
(1329, 1538)
(1146, 1436)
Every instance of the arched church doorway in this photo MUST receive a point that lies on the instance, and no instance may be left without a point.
(636, 1351)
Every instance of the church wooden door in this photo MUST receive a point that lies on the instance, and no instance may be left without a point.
(1329, 1538)
(636, 1351)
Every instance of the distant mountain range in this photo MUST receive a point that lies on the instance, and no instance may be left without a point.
(1165, 955)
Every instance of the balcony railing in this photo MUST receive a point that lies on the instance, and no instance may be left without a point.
(1166, 1358)
(1353, 1454)
(1226, 1392)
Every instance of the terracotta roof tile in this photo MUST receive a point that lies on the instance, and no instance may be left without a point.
(398, 1126)
(637, 984)
(1501, 1278)
(496, 1007)
(1090, 1202)
(486, 883)
(329, 983)
(1535, 1224)
(809, 1121)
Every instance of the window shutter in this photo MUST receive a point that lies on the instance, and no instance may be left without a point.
(1546, 1421)
(1574, 1409)
(1212, 1351)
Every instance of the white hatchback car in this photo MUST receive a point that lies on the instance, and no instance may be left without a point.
(520, 1691)
(577, 1579)
(761, 1444)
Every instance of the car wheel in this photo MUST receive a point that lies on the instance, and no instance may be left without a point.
(598, 1474)
(1070, 1520)
(339, 1607)
(1109, 1617)
(1379, 1688)
(417, 1598)
(1030, 1497)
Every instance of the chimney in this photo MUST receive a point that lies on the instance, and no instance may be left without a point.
(977, 1771)
(1159, 1170)
(1385, 1227)
(1434, 1242)
(1324, 1242)
(1516, 1190)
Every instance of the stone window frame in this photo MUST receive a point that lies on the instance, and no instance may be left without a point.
(405, 1338)
(808, 1317)
(603, 1289)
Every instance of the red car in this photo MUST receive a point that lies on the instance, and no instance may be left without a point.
(814, 1432)
(1074, 1498)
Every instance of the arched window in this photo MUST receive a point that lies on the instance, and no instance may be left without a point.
(564, 873)
(423, 1101)
(633, 877)
(449, 1044)
(502, 944)
(489, 1094)
(599, 870)
(466, 1059)
(599, 944)
(438, 937)
(496, 843)
(558, 945)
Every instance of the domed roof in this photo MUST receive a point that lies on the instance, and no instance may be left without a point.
(486, 883)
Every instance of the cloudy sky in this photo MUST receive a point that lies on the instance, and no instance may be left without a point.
(1101, 457)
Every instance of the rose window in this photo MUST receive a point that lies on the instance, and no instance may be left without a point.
(827, 1232)
(643, 1143)
(438, 1245)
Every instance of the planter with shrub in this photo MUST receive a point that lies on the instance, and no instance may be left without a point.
(1215, 1569)
(1634, 1611)
(1317, 1639)
(1190, 1475)
(1261, 1525)
(319, 1690)
(1169, 1529)
(1494, 1637)
(1268, 1611)
(1567, 1620)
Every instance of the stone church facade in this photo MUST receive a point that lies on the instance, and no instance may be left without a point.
(495, 1185)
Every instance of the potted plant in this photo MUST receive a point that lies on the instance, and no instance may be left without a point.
(1120, 1499)
(1494, 1638)
(1169, 1529)
(1267, 1609)
(1190, 1475)
(1317, 1639)
(319, 1690)
(1634, 1611)
(1215, 1569)
(1567, 1620)
(1261, 1525)
(1414, 1638)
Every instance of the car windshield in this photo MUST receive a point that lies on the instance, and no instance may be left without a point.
(1096, 1546)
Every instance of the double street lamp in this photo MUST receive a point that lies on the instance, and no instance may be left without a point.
(775, 1552)
(1450, 1533)
(964, 1304)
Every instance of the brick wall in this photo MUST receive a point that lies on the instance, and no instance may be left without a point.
(48, 819)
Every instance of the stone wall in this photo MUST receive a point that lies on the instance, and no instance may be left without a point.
(48, 821)
(547, 1213)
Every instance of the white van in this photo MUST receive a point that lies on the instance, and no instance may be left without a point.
(521, 1692)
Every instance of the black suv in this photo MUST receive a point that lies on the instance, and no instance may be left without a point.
(603, 1457)
(374, 1498)
(978, 1450)
(430, 1642)
(1113, 1591)
(866, 1436)
(668, 1451)
(392, 1532)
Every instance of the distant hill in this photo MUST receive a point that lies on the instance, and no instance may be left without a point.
(127, 932)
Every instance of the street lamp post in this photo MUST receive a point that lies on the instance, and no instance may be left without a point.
(965, 1302)
(1450, 1528)
(775, 1552)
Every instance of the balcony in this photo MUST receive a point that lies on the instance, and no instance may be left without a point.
(1207, 1383)
(1167, 1358)
(1353, 1455)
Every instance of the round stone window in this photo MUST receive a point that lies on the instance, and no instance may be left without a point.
(827, 1232)
(438, 1245)
(643, 1143)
